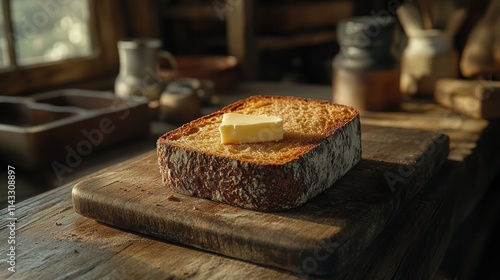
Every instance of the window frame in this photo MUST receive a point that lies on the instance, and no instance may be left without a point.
(107, 27)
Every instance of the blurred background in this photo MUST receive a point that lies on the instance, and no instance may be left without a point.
(276, 40)
(51, 45)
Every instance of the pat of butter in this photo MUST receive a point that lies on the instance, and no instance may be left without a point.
(240, 128)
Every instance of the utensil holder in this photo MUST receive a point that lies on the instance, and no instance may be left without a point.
(428, 57)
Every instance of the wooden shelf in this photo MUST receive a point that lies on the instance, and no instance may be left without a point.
(191, 13)
(292, 17)
(287, 42)
(255, 26)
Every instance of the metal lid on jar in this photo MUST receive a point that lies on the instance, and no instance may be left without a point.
(366, 31)
(135, 43)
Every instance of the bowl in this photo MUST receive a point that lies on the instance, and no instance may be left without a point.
(222, 70)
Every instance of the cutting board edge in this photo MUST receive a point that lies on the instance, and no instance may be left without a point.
(81, 203)
(335, 258)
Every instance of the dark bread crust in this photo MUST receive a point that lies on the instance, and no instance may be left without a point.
(258, 186)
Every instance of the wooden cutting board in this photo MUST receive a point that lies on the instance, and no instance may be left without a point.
(315, 239)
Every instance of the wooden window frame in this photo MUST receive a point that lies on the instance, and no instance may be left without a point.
(107, 27)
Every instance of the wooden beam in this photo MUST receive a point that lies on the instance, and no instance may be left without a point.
(240, 24)
(9, 33)
(299, 40)
(143, 18)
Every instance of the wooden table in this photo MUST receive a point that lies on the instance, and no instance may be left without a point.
(52, 241)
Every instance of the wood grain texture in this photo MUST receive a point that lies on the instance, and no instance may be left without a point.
(427, 223)
(241, 36)
(301, 16)
(53, 242)
(315, 239)
(49, 230)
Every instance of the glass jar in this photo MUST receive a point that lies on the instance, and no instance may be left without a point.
(366, 70)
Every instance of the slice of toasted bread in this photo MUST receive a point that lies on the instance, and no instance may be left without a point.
(321, 142)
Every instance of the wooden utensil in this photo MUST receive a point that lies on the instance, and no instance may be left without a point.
(410, 18)
(441, 12)
(426, 14)
(455, 21)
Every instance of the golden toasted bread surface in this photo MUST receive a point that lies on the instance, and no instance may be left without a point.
(306, 122)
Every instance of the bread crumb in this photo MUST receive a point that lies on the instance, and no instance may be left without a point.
(195, 208)
(170, 197)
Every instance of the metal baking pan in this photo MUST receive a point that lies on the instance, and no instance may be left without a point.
(60, 126)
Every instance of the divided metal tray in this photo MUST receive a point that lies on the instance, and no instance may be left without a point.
(63, 125)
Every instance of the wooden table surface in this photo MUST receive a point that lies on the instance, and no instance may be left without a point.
(53, 242)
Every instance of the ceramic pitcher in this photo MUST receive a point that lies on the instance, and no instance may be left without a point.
(138, 68)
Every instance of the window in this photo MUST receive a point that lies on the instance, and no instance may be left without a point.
(47, 33)
(54, 42)
(4, 55)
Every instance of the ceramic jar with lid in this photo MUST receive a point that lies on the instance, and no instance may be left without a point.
(429, 56)
(366, 70)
